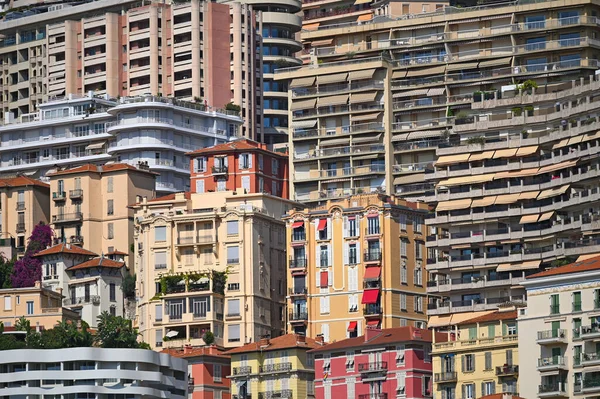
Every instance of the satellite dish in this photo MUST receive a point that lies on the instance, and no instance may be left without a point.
(172, 334)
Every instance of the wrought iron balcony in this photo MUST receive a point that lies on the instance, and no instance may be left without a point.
(67, 217)
(283, 393)
(372, 367)
(372, 256)
(296, 291)
(243, 370)
(274, 368)
(447, 376)
(21, 206)
(298, 316)
(20, 227)
(82, 300)
(220, 170)
(59, 196)
(76, 194)
(297, 263)
(507, 370)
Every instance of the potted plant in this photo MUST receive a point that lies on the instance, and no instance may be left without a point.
(480, 140)
(477, 96)
(529, 110)
(517, 111)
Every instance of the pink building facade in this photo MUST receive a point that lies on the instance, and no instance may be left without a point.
(382, 364)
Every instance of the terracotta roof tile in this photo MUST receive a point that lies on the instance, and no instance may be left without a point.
(98, 262)
(577, 267)
(65, 249)
(237, 145)
(387, 336)
(116, 252)
(22, 181)
(195, 352)
(495, 316)
(170, 197)
(113, 167)
(288, 341)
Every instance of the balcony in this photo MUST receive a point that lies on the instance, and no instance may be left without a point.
(372, 310)
(77, 240)
(298, 317)
(591, 384)
(587, 332)
(445, 307)
(20, 227)
(590, 359)
(481, 343)
(298, 236)
(76, 194)
(219, 170)
(297, 263)
(282, 393)
(373, 396)
(243, 370)
(372, 256)
(67, 217)
(20, 206)
(448, 376)
(507, 371)
(83, 300)
(196, 240)
(552, 337)
(59, 196)
(372, 367)
(297, 291)
(551, 363)
(558, 389)
(275, 368)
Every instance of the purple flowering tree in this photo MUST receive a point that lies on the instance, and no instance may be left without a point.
(29, 269)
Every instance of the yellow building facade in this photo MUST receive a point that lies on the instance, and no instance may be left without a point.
(278, 368)
(480, 357)
(356, 263)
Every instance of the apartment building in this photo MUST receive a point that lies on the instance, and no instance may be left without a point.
(210, 262)
(208, 368)
(337, 289)
(388, 363)
(240, 164)
(274, 368)
(479, 355)
(24, 203)
(558, 346)
(89, 204)
(94, 372)
(42, 307)
(190, 50)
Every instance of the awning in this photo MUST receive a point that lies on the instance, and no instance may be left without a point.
(303, 104)
(545, 216)
(372, 273)
(507, 267)
(486, 201)
(439, 321)
(427, 71)
(324, 279)
(322, 224)
(499, 61)
(524, 151)
(399, 74)
(438, 91)
(364, 18)
(465, 65)
(360, 75)
(481, 156)
(314, 26)
(425, 134)
(364, 97)
(333, 100)
(319, 43)
(553, 192)
(369, 139)
(587, 256)
(303, 82)
(410, 93)
(562, 165)
(372, 323)
(335, 78)
(450, 159)
(304, 124)
(529, 219)
(517, 173)
(560, 144)
(528, 195)
(297, 225)
(591, 136)
(575, 140)
(453, 205)
(506, 199)
(326, 143)
(95, 146)
(361, 2)
(82, 280)
(366, 117)
(352, 326)
(456, 181)
(370, 296)
(510, 152)
(410, 179)
(448, 320)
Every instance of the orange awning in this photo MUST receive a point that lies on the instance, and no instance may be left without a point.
(314, 26)
(366, 17)
(296, 225)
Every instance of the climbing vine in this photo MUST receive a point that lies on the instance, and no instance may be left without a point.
(170, 282)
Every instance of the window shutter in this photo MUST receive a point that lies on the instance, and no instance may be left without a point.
(488, 360)
(504, 329)
(240, 161)
(318, 279)
(473, 369)
(196, 164)
(473, 385)
(345, 226)
(317, 256)
(250, 156)
(358, 253)
(463, 361)
(346, 253)
(329, 222)
(329, 253)
(316, 227)
(509, 357)
(483, 388)
(464, 391)
(493, 388)
(329, 278)
(226, 161)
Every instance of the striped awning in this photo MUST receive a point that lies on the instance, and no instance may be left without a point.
(333, 100)
(303, 82)
(335, 78)
(303, 124)
(364, 97)
(303, 104)
(359, 75)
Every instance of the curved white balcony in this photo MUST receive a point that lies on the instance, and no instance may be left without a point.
(121, 146)
(164, 123)
(281, 18)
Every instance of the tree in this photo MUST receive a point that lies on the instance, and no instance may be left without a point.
(29, 269)
(208, 337)
(117, 332)
(6, 271)
(232, 107)
(129, 286)
(66, 334)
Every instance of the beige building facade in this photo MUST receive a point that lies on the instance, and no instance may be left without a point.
(210, 262)
(90, 205)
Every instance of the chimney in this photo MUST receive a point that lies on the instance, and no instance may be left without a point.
(187, 349)
(300, 339)
(320, 339)
(38, 284)
(59, 290)
(264, 342)
(371, 333)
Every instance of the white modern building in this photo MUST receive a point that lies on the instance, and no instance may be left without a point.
(92, 373)
(153, 131)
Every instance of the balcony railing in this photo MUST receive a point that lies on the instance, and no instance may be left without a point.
(551, 334)
(554, 309)
(297, 263)
(549, 388)
(591, 382)
(20, 206)
(372, 367)
(76, 194)
(507, 370)
(373, 396)
(219, 170)
(297, 291)
(59, 196)
(20, 227)
(551, 361)
(446, 376)
(93, 299)
(67, 217)
(372, 310)
(298, 316)
(274, 368)
(243, 370)
(372, 256)
(299, 236)
(282, 393)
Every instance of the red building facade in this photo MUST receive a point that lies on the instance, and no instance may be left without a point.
(208, 369)
(382, 364)
(240, 164)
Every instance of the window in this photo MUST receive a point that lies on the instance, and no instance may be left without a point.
(352, 254)
(418, 303)
(233, 307)
(246, 183)
(401, 384)
(403, 222)
(232, 227)
(200, 186)
(221, 185)
(577, 301)
(110, 234)
(160, 260)
(109, 185)
(158, 312)
(350, 361)
(310, 387)
(509, 357)
(403, 247)
(200, 164)
(274, 167)
(217, 376)
(325, 333)
(468, 391)
(260, 162)
(488, 360)
(418, 276)
(233, 255)
(418, 250)
(160, 233)
(373, 225)
(402, 301)
(400, 354)
(233, 331)
(403, 275)
(468, 363)
(324, 302)
(110, 207)
(554, 304)
(488, 388)
(245, 161)
(29, 307)
(233, 286)
(353, 303)
(112, 292)
(352, 279)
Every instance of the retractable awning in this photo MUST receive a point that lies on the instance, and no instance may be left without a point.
(360, 75)
(335, 78)
(303, 82)
(453, 205)
(372, 273)
(352, 326)
(370, 296)
(529, 219)
(297, 225)
(322, 224)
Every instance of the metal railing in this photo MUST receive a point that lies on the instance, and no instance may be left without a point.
(372, 256)
(273, 368)
(66, 217)
(372, 367)
(59, 195)
(297, 263)
(282, 393)
(93, 299)
(298, 316)
(20, 227)
(551, 361)
(550, 334)
(77, 193)
(219, 169)
(297, 291)
(243, 370)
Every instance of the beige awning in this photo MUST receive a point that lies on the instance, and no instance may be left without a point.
(481, 156)
(439, 321)
(335, 78)
(575, 140)
(314, 26)
(475, 179)
(464, 65)
(524, 151)
(553, 192)
(400, 137)
(361, 2)
(545, 216)
(587, 256)
(303, 82)
(528, 195)
(591, 136)
(95, 146)
(368, 139)
(364, 97)
(481, 202)
(529, 219)
(507, 199)
(438, 91)
(82, 280)
(517, 173)
(425, 134)
(303, 124)
(509, 152)
(507, 267)
(558, 166)
(364, 18)
(303, 104)
(341, 141)
(450, 159)
(453, 205)
(427, 71)
(366, 117)
(319, 43)
(449, 320)
(399, 74)
(333, 100)
(410, 179)
(410, 93)
(499, 61)
(359, 75)
(560, 144)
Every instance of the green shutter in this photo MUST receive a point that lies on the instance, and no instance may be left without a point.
(504, 329)
(491, 331)
(472, 333)
(555, 328)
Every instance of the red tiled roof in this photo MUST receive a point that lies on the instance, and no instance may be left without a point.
(287, 341)
(22, 181)
(65, 249)
(171, 197)
(494, 316)
(233, 146)
(387, 336)
(98, 262)
(577, 267)
(116, 252)
(195, 352)
(113, 167)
